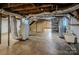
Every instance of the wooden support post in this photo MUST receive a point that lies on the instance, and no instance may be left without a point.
(0, 27)
(9, 30)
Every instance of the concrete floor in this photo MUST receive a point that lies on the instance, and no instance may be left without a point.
(40, 43)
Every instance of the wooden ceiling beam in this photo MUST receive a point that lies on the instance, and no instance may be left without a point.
(33, 5)
(22, 6)
(28, 12)
(11, 5)
(34, 11)
(29, 8)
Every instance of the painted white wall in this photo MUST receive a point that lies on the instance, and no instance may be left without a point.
(5, 25)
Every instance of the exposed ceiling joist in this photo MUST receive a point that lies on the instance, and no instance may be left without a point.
(30, 8)
(10, 5)
(71, 9)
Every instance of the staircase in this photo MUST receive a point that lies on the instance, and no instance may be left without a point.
(32, 22)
